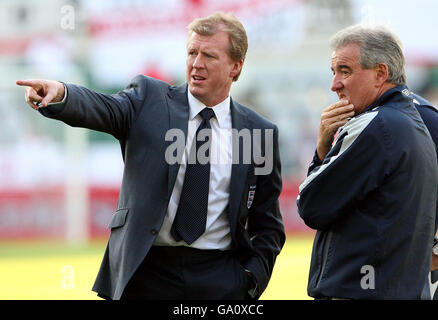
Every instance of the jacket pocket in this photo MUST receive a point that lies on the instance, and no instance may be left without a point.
(118, 219)
(325, 256)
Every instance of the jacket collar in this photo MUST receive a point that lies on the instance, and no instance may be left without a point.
(399, 93)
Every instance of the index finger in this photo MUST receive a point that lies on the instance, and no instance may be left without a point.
(28, 83)
(338, 104)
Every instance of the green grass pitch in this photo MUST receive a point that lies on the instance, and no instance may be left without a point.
(52, 271)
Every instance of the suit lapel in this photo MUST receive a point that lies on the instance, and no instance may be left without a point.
(238, 170)
(178, 119)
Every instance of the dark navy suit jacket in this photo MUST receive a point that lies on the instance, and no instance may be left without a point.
(139, 118)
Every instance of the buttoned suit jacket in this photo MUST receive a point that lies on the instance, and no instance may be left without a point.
(139, 118)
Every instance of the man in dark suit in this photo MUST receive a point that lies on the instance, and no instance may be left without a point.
(185, 229)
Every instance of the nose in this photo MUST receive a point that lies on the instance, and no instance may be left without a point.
(336, 83)
(197, 62)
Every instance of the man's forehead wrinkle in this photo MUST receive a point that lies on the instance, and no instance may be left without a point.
(339, 60)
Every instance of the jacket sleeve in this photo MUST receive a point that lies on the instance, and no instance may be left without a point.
(430, 117)
(265, 224)
(357, 164)
(113, 114)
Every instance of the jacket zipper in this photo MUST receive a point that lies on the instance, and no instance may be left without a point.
(324, 256)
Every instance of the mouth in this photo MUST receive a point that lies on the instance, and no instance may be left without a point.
(197, 79)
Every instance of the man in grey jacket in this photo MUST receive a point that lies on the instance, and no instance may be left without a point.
(184, 228)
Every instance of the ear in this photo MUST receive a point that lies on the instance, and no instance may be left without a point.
(237, 66)
(382, 74)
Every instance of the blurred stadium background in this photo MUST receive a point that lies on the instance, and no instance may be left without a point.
(59, 186)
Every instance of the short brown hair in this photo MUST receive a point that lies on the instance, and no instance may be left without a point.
(227, 22)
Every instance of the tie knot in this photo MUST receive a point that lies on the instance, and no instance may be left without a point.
(207, 113)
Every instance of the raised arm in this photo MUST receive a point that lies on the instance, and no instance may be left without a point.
(113, 114)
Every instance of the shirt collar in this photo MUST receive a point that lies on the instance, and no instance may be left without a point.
(221, 110)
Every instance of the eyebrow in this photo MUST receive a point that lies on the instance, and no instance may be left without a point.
(342, 66)
(204, 52)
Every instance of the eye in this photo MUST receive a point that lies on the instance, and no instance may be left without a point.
(209, 55)
(345, 72)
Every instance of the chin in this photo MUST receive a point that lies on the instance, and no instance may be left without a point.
(195, 91)
(359, 110)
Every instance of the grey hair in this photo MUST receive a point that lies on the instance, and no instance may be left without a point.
(377, 45)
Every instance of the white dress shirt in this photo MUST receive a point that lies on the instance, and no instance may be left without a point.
(217, 233)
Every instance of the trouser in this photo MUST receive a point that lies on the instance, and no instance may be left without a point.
(180, 273)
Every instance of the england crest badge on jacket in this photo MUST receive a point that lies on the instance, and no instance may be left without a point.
(250, 196)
